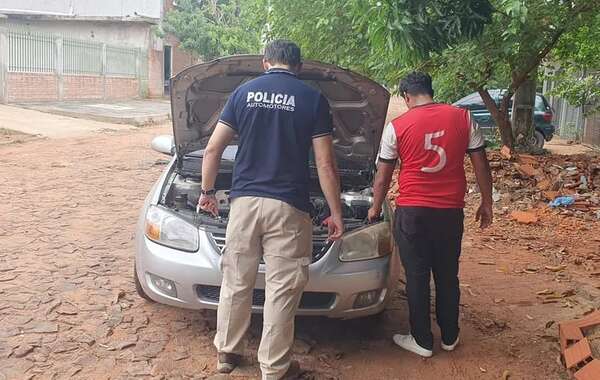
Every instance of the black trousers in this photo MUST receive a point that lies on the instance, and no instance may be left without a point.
(429, 241)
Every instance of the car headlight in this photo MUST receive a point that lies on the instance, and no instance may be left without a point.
(167, 229)
(367, 243)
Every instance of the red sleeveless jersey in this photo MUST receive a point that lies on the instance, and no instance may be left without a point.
(431, 143)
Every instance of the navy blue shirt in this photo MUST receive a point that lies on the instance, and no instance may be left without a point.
(276, 117)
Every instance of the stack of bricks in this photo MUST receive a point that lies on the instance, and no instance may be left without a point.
(575, 347)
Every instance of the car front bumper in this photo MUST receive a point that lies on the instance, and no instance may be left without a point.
(332, 289)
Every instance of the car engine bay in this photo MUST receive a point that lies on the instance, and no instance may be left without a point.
(184, 191)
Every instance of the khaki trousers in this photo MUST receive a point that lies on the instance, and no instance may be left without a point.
(282, 236)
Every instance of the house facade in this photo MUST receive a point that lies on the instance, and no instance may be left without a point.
(76, 49)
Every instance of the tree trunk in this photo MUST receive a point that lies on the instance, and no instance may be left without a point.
(500, 115)
(522, 114)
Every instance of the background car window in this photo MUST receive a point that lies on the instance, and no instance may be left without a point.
(540, 104)
(470, 101)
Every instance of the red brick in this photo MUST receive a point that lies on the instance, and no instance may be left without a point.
(590, 371)
(24, 87)
(527, 170)
(524, 217)
(32, 87)
(577, 353)
(121, 88)
(82, 87)
(589, 320)
(568, 333)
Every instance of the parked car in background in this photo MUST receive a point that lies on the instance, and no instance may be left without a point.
(178, 251)
(542, 117)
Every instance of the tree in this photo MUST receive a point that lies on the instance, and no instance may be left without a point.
(468, 45)
(509, 52)
(216, 28)
(381, 39)
(574, 68)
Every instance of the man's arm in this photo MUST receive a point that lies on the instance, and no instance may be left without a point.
(385, 171)
(484, 181)
(476, 151)
(388, 157)
(330, 183)
(220, 138)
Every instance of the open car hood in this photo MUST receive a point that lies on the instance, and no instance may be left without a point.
(358, 104)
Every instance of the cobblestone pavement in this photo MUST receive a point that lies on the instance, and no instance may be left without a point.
(68, 307)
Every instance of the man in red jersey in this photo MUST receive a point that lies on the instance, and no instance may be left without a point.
(430, 141)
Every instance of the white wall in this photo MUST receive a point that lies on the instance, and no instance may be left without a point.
(86, 8)
(126, 34)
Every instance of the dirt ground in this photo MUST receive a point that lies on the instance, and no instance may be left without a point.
(68, 307)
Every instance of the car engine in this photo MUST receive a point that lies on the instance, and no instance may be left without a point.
(184, 192)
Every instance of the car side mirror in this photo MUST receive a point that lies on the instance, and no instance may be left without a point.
(164, 144)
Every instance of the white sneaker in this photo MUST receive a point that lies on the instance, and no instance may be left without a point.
(409, 343)
(450, 347)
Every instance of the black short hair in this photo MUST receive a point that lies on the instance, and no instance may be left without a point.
(416, 83)
(284, 52)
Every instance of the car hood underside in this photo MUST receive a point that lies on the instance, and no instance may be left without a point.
(358, 104)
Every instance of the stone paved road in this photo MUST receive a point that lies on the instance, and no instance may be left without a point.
(68, 307)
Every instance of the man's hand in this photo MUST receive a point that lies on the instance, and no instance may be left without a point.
(483, 175)
(335, 226)
(329, 181)
(484, 215)
(381, 185)
(220, 138)
(374, 214)
(208, 203)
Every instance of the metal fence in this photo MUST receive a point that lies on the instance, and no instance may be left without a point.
(121, 61)
(36, 52)
(573, 123)
(81, 57)
(31, 52)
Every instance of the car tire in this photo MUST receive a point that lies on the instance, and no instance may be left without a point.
(538, 140)
(138, 286)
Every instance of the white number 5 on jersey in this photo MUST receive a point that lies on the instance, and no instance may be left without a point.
(429, 145)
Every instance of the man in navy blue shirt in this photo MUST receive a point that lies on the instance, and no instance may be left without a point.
(278, 118)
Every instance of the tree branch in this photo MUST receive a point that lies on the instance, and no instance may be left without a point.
(522, 76)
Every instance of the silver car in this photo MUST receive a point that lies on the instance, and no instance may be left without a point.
(178, 251)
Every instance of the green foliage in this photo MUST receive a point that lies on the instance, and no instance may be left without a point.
(324, 29)
(467, 45)
(511, 46)
(577, 75)
(215, 28)
(381, 39)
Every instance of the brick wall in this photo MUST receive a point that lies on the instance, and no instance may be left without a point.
(82, 87)
(32, 87)
(121, 88)
(155, 73)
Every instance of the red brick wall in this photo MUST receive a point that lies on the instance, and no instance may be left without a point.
(82, 87)
(121, 88)
(32, 87)
(155, 73)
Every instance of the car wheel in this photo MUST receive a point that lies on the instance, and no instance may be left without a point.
(538, 140)
(138, 286)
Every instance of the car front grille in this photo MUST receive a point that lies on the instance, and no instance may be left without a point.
(219, 240)
(309, 300)
(320, 245)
